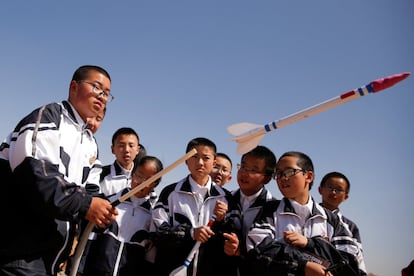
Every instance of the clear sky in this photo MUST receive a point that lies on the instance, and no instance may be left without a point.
(183, 69)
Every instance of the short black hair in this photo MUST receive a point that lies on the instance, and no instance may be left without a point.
(225, 156)
(124, 130)
(82, 72)
(266, 154)
(338, 175)
(148, 158)
(304, 162)
(201, 141)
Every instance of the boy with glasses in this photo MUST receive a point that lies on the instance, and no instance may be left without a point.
(221, 172)
(45, 163)
(124, 248)
(295, 235)
(334, 189)
(254, 172)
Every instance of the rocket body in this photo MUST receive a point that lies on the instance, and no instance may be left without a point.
(248, 135)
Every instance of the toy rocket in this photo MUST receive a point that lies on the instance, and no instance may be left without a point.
(249, 135)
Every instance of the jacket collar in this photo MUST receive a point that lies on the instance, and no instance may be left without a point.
(259, 201)
(186, 187)
(75, 117)
(289, 208)
(145, 204)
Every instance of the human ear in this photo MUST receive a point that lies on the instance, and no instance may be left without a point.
(320, 190)
(309, 176)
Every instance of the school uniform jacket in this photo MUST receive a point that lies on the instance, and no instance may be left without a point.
(321, 223)
(354, 230)
(113, 179)
(43, 164)
(247, 217)
(175, 214)
(124, 248)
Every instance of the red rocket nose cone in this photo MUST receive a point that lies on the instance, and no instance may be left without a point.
(389, 81)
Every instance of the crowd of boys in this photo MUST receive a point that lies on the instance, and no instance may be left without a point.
(54, 183)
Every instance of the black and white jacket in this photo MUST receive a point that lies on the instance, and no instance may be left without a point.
(280, 215)
(177, 212)
(124, 248)
(45, 163)
(114, 178)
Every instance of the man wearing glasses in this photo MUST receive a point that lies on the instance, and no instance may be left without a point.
(45, 163)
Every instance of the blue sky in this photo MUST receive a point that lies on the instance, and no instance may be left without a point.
(183, 69)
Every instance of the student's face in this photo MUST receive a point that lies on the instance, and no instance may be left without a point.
(295, 187)
(201, 164)
(94, 123)
(141, 174)
(333, 192)
(82, 97)
(251, 175)
(125, 149)
(221, 172)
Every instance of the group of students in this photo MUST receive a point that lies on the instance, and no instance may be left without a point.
(142, 238)
(54, 183)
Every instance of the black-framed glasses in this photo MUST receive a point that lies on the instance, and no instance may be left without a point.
(141, 179)
(222, 170)
(250, 171)
(287, 173)
(333, 189)
(99, 92)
